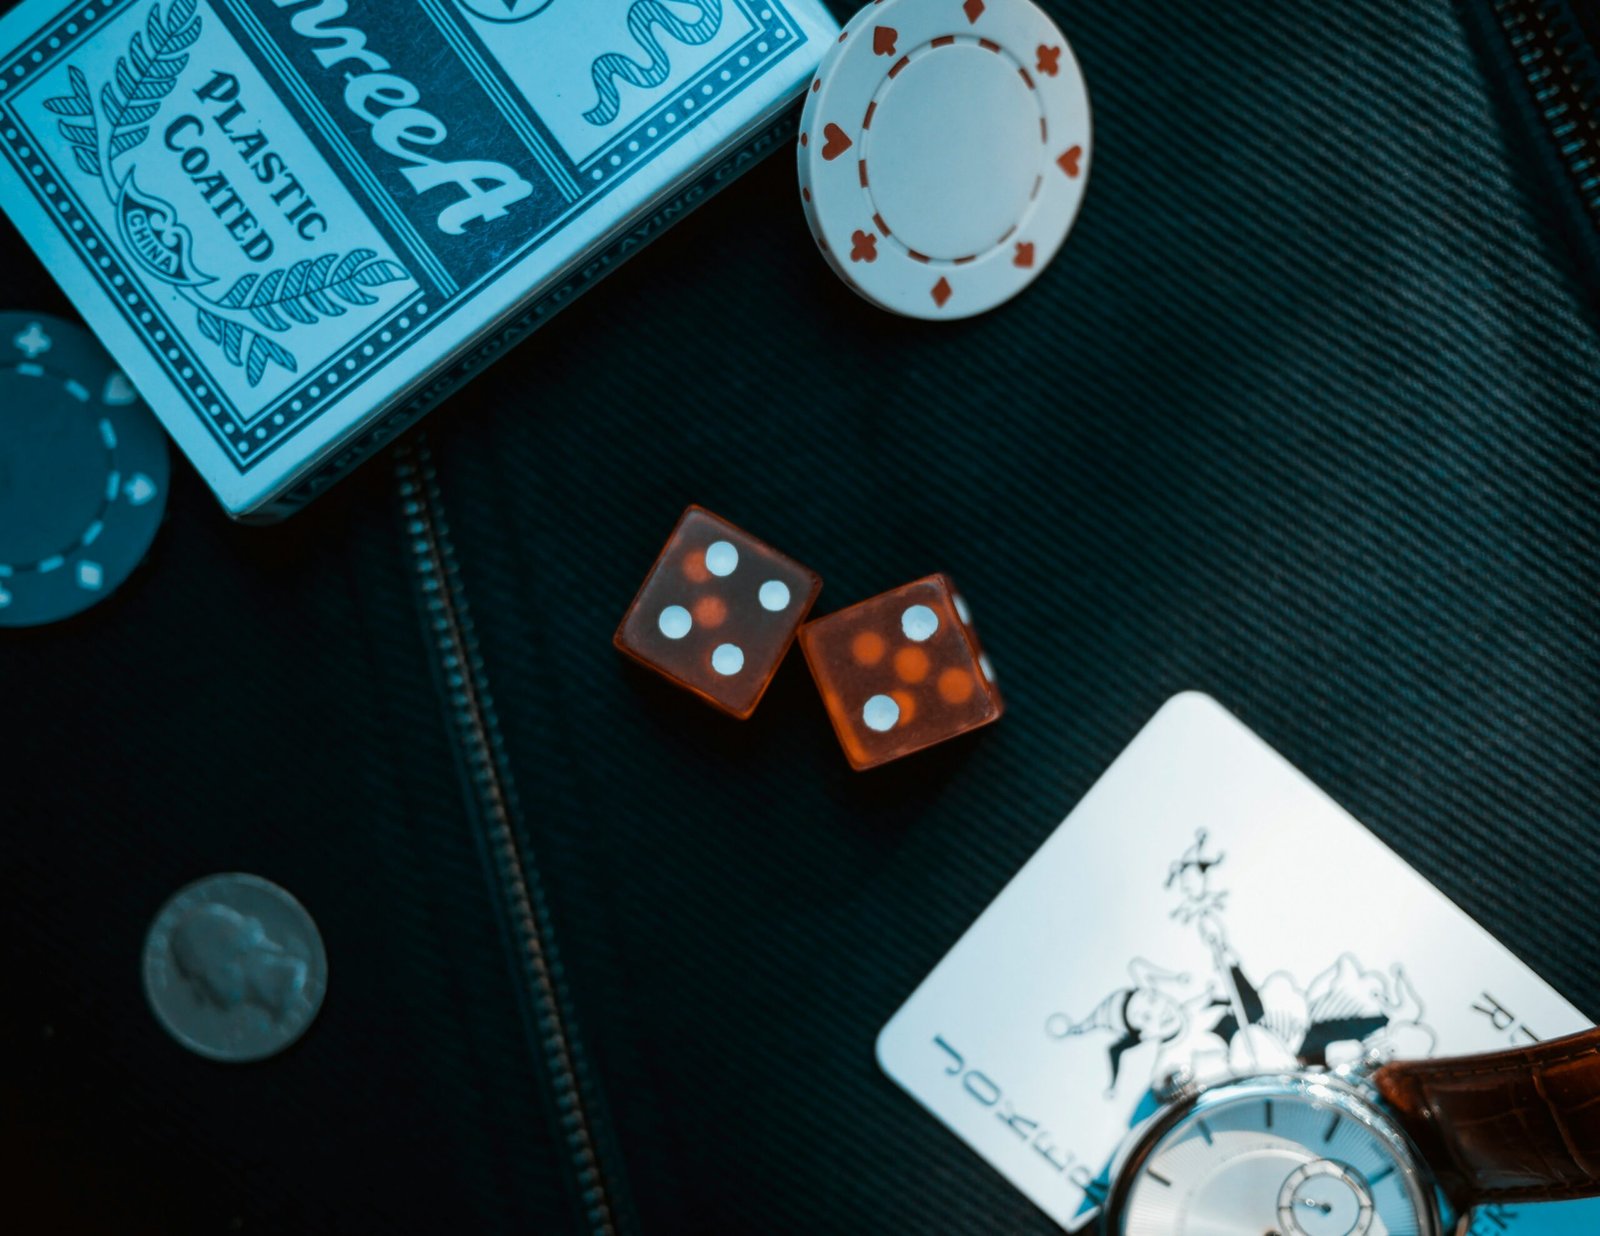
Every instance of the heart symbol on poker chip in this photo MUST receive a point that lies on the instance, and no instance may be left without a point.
(1069, 161)
(1024, 256)
(883, 40)
(835, 141)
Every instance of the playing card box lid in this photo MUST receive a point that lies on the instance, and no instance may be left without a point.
(298, 224)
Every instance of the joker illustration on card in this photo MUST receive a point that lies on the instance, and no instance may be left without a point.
(1205, 912)
(1225, 1023)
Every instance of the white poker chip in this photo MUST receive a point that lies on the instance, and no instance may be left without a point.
(944, 150)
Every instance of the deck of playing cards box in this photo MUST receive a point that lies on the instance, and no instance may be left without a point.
(298, 224)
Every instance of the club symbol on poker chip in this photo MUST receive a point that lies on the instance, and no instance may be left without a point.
(943, 154)
(32, 341)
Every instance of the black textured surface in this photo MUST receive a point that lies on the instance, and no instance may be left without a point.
(1303, 416)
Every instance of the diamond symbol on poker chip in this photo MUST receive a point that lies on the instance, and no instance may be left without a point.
(973, 9)
(942, 291)
(139, 489)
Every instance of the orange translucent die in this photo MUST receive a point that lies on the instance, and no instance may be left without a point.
(718, 612)
(901, 671)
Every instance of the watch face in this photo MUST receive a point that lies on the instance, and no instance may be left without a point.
(1274, 1157)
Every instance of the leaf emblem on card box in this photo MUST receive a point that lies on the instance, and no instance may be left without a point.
(147, 74)
(106, 129)
(249, 349)
(312, 289)
(303, 294)
(78, 124)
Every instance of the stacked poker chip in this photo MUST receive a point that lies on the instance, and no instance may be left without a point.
(943, 154)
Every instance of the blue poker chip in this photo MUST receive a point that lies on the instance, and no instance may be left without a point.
(83, 471)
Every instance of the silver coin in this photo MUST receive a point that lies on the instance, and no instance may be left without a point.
(234, 968)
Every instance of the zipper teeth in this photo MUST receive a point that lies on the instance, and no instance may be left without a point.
(456, 646)
(1553, 61)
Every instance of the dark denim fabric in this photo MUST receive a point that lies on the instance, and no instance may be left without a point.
(1304, 415)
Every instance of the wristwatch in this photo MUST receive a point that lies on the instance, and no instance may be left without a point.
(1370, 1149)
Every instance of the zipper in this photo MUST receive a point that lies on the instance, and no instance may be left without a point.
(492, 795)
(1558, 66)
(1552, 46)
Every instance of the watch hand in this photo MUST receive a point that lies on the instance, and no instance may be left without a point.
(1325, 1208)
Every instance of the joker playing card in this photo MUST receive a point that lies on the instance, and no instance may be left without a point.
(1205, 912)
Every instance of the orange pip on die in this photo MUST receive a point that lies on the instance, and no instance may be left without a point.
(718, 611)
(901, 671)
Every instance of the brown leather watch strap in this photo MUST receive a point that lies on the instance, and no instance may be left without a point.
(1519, 1125)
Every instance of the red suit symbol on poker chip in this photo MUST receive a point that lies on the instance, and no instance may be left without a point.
(1069, 161)
(884, 39)
(1049, 61)
(942, 291)
(863, 247)
(973, 9)
(836, 142)
(1024, 257)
